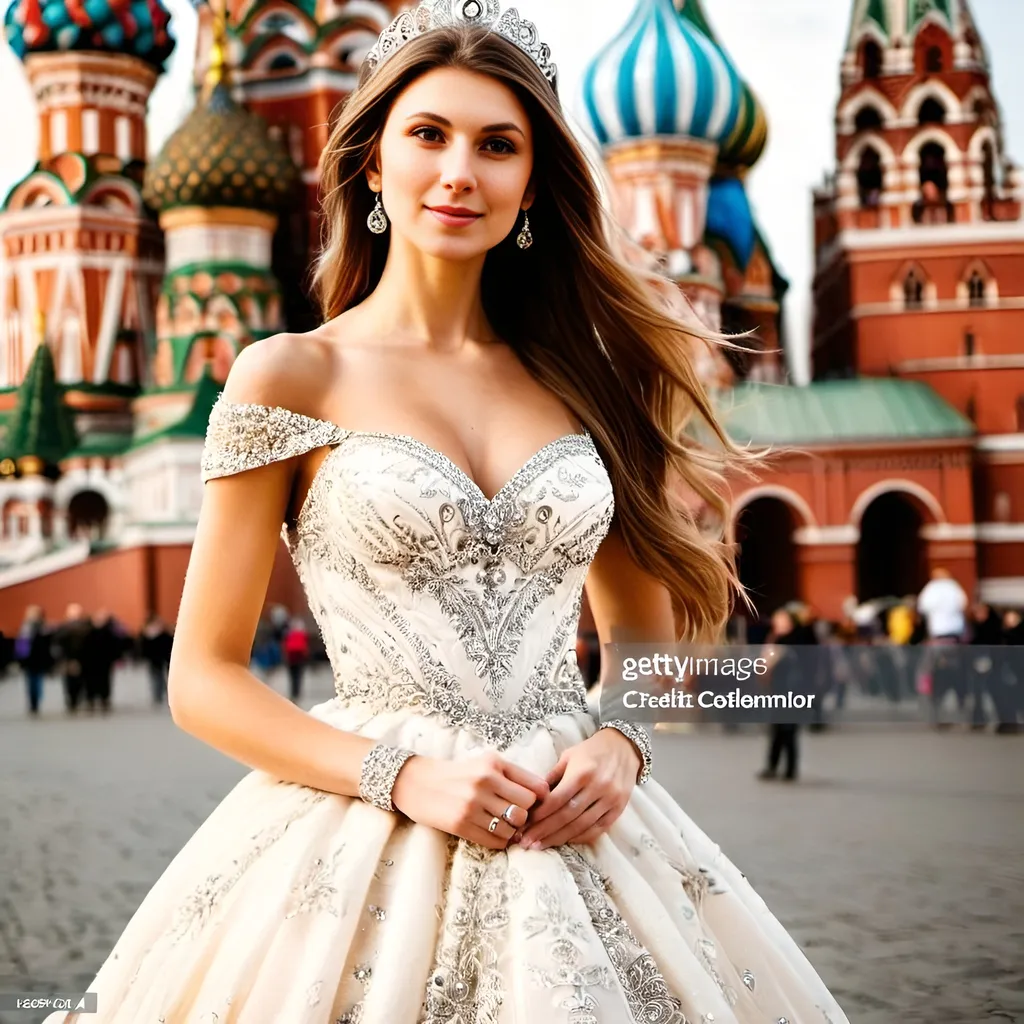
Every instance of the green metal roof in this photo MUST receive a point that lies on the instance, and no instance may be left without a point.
(100, 443)
(839, 412)
(195, 421)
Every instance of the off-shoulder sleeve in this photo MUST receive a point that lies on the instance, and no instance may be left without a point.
(243, 435)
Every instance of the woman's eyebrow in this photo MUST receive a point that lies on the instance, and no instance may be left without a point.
(504, 126)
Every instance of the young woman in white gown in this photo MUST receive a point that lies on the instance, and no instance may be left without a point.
(486, 420)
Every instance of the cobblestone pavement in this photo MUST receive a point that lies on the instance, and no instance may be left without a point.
(896, 862)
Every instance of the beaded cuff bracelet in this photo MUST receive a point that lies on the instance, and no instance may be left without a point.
(379, 770)
(637, 735)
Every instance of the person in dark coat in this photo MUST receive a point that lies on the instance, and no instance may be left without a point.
(68, 644)
(32, 652)
(783, 736)
(155, 642)
(104, 645)
(986, 626)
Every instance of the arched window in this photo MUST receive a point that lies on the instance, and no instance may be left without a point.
(869, 178)
(913, 290)
(867, 119)
(282, 62)
(976, 289)
(931, 112)
(933, 62)
(969, 343)
(933, 207)
(988, 171)
(872, 59)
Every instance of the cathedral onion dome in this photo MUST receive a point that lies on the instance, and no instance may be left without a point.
(137, 28)
(730, 219)
(661, 76)
(746, 143)
(222, 155)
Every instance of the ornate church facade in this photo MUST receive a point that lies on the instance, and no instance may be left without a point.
(127, 289)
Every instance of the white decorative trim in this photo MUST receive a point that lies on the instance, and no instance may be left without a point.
(949, 531)
(73, 554)
(975, 362)
(876, 490)
(1000, 443)
(935, 305)
(111, 318)
(1001, 533)
(143, 534)
(846, 115)
(1002, 590)
(791, 498)
(933, 88)
(811, 536)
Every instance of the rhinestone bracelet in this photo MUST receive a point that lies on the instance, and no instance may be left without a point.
(637, 735)
(379, 770)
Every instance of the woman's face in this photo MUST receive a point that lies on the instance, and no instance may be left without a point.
(460, 140)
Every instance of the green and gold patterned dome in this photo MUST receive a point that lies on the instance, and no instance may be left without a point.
(223, 155)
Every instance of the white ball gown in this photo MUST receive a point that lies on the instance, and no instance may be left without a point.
(450, 622)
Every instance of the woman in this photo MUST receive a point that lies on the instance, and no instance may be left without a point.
(487, 413)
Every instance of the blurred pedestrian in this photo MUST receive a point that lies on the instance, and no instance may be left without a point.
(68, 642)
(782, 736)
(32, 652)
(295, 649)
(103, 646)
(986, 630)
(943, 605)
(154, 646)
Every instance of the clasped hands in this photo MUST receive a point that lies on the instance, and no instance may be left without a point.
(493, 802)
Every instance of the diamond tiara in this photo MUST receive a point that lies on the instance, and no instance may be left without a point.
(486, 13)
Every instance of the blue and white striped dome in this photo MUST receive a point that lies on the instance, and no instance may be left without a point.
(660, 76)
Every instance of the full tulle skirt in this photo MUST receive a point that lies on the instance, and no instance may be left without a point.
(290, 905)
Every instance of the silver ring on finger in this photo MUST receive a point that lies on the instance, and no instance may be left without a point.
(506, 814)
(495, 822)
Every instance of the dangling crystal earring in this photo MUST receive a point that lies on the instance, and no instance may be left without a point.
(377, 222)
(524, 239)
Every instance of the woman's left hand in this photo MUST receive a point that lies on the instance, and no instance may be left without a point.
(590, 787)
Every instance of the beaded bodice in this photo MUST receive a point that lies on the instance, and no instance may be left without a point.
(428, 594)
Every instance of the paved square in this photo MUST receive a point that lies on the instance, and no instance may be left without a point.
(897, 862)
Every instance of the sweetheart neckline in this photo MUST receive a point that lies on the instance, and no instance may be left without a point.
(472, 489)
(464, 481)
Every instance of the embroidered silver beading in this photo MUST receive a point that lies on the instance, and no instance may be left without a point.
(379, 770)
(637, 735)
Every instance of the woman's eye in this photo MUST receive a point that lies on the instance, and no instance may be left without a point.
(428, 129)
(507, 146)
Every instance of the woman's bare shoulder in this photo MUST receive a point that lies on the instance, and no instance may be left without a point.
(293, 371)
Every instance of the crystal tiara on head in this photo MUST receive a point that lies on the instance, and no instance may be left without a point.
(440, 13)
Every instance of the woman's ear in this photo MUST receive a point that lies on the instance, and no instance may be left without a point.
(373, 175)
(528, 196)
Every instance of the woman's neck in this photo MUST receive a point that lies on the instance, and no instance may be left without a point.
(436, 301)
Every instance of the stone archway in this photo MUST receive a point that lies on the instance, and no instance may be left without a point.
(767, 553)
(892, 558)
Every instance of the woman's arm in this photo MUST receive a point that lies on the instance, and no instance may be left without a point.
(211, 692)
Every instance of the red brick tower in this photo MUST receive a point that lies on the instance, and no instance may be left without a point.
(920, 247)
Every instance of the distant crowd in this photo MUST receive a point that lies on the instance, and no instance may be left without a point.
(83, 651)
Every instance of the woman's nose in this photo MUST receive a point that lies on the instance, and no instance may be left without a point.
(457, 171)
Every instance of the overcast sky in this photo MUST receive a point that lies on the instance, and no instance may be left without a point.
(788, 50)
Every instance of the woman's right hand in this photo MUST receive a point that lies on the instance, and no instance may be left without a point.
(461, 797)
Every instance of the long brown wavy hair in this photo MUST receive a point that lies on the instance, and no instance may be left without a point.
(588, 325)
